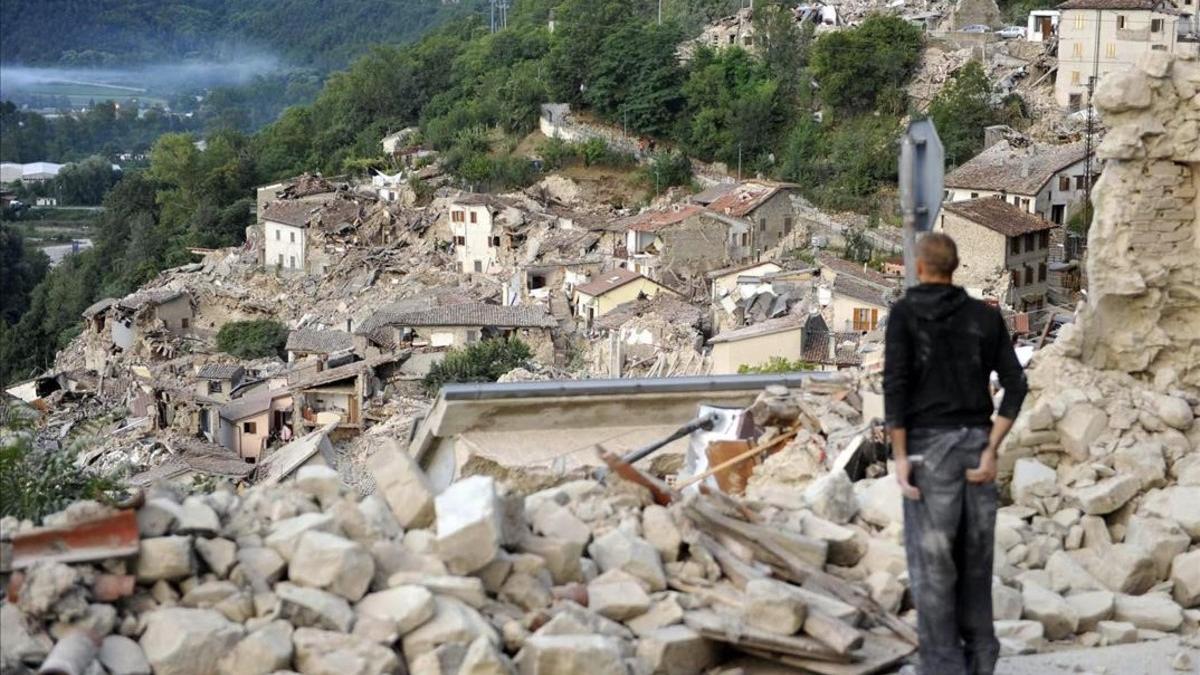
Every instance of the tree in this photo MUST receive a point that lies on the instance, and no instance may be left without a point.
(783, 47)
(252, 339)
(962, 110)
(482, 361)
(86, 182)
(858, 66)
(21, 270)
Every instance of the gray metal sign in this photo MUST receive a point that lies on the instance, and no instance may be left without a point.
(922, 173)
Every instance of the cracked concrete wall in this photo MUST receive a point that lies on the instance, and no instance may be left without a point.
(1142, 314)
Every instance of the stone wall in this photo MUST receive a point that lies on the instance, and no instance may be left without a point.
(557, 121)
(1143, 311)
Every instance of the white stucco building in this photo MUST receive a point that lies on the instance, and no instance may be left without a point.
(285, 228)
(477, 225)
(1097, 37)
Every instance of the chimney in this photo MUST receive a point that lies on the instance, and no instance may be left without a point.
(1026, 168)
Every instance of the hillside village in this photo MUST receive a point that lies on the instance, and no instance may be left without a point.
(333, 504)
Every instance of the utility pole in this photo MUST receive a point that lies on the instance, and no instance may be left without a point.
(492, 6)
(739, 161)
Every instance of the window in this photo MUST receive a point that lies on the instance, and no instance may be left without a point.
(865, 319)
(1080, 182)
(1075, 101)
(1158, 48)
(1025, 204)
(277, 237)
(249, 427)
(214, 386)
(183, 323)
(1029, 242)
(494, 242)
(1044, 239)
(745, 239)
(460, 241)
(1064, 183)
(1074, 77)
(974, 195)
(292, 262)
(478, 265)
(1120, 21)
(1028, 275)
(1079, 21)
(1016, 279)
(279, 263)
(1110, 50)
(1077, 50)
(1014, 245)
(1041, 271)
(787, 225)
(1156, 25)
(762, 224)
(292, 237)
(473, 217)
(456, 216)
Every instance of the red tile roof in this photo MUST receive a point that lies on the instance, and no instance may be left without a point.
(746, 197)
(653, 221)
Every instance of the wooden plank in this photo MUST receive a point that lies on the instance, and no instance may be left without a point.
(662, 493)
(839, 636)
(730, 631)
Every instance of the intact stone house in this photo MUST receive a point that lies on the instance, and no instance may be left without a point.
(1003, 251)
(307, 342)
(1098, 37)
(1042, 179)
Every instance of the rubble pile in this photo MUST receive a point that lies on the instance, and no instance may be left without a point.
(1102, 466)
(306, 575)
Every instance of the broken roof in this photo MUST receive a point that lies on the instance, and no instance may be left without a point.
(254, 403)
(747, 197)
(354, 369)
(387, 315)
(842, 266)
(220, 371)
(662, 305)
(999, 216)
(1019, 170)
(151, 297)
(738, 269)
(862, 290)
(318, 341)
(768, 327)
(607, 281)
(98, 306)
(332, 214)
(653, 221)
(707, 195)
(481, 314)
(288, 212)
(479, 199)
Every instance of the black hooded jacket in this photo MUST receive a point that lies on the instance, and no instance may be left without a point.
(942, 347)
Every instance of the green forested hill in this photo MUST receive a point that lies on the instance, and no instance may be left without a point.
(321, 33)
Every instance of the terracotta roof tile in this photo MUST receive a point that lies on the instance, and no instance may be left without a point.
(1018, 170)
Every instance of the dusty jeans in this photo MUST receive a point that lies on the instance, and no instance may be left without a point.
(948, 536)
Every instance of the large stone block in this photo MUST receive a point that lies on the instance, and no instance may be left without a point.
(404, 485)
(562, 654)
(179, 641)
(1185, 574)
(1080, 427)
(321, 652)
(1031, 481)
(619, 550)
(1107, 495)
(676, 650)
(332, 563)
(1152, 611)
(469, 526)
(405, 607)
(165, 558)
(1049, 609)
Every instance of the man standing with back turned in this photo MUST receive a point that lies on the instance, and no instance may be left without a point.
(942, 347)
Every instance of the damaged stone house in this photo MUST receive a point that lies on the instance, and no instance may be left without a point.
(557, 263)
(320, 345)
(336, 395)
(485, 231)
(218, 380)
(612, 288)
(294, 233)
(141, 323)
(458, 325)
(1003, 251)
(760, 216)
(247, 425)
(633, 335)
(679, 244)
(1040, 178)
(853, 297)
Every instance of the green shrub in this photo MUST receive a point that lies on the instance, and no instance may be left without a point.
(482, 361)
(777, 364)
(667, 169)
(35, 482)
(252, 339)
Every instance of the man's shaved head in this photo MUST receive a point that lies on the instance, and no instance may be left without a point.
(938, 254)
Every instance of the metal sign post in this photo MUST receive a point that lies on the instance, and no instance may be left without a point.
(922, 170)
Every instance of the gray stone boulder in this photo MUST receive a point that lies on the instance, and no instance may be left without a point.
(179, 641)
(404, 607)
(619, 550)
(321, 652)
(266, 650)
(562, 654)
(469, 524)
(332, 563)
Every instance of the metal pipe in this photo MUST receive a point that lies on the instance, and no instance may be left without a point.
(703, 422)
